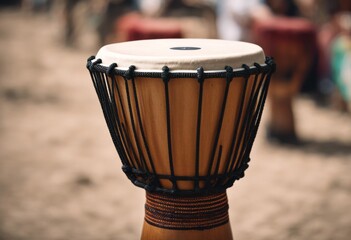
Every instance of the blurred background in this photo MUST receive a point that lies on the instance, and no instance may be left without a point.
(60, 176)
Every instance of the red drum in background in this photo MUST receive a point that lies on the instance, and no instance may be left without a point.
(292, 43)
(136, 27)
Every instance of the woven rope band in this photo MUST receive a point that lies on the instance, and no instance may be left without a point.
(186, 213)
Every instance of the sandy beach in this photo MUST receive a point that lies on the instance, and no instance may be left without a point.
(61, 178)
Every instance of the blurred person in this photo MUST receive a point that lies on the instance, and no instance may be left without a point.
(189, 18)
(102, 13)
(196, 9)
(328, 31)
(338, 6)
(314, 10)
(37, 5)
(286, 8)
(174, 8)
(152, 8)
(10, 2)
(341, 62)
(95, 11)
(68, 15)
(235, 18)
(113, 10)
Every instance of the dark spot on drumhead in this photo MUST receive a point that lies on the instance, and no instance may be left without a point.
(185, 48)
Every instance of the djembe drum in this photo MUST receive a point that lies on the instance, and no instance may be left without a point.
(183, 115)
(292, 42)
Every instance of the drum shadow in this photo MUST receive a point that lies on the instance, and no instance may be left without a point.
(330, 147)
(327, 147)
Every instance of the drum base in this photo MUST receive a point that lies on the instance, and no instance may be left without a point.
(281, 127)
(199, 217)
(222, 232)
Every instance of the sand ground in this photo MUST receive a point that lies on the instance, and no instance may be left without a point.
(60, 176)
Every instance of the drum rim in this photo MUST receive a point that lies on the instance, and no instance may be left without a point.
(95, 64)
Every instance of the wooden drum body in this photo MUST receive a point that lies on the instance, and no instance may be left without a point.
(183, 114)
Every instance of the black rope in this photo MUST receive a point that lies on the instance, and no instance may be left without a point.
(146, 145)
(216, 172)
(116, 119)
(166, 78)
(200, 78)
(241, 122)
(94, 64)
(241, 72)
(229, 78)
(235, 140)
(129, 150)
(129, 75)
(89, 62)
(225, 165)
(248, 120)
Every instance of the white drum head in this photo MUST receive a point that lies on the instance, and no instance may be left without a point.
(181, 54)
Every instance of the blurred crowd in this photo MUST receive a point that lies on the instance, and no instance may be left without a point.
(309, 39)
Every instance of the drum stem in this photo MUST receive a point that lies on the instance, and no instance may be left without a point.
(186, 217)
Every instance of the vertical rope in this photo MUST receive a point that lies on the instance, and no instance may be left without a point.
(262, 100)
(111, 116)
(259, 77)
(242, 127)
(166, 79)
(200, 78)
(130, 139)
(116, 118)
(253, 106)
(127, 142)
(229, 77)
(128, 76)
(231, 160)
(215, 176)
(245, 121)
(142, 130)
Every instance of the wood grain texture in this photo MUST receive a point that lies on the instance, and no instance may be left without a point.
(150, 232)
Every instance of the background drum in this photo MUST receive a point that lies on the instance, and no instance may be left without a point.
(292, 42)
(183, 115)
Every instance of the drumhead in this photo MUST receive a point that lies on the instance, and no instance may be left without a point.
(181, 54)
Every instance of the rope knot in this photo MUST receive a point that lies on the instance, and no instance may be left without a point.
(165, 75)
(270, 62)
(92, 64)
(126, 169)
(200, 74)
(110, 69)
(246, 70)
(230, 73)
(89, 61)
(258, 66)
(130, 72)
